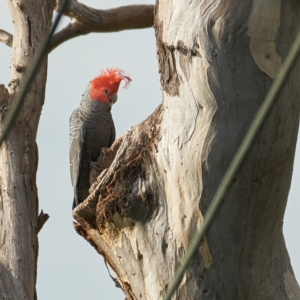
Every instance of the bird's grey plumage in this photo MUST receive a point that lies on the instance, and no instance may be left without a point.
(91, 128)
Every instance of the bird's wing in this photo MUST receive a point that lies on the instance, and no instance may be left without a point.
(112, 134)
(76, 140)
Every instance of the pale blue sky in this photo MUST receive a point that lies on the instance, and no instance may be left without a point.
(69, 268)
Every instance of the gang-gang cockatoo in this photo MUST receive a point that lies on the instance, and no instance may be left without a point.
(92, 128)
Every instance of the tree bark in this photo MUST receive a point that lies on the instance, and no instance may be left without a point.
(18, 154)
(217, 60)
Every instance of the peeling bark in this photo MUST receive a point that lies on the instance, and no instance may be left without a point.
(147, 205)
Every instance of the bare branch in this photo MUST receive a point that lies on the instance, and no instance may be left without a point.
(86, 20)
(6, 38)
(42, 219)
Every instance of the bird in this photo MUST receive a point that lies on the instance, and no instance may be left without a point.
(91, 128)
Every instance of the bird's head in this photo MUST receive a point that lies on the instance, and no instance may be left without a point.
(104, 88)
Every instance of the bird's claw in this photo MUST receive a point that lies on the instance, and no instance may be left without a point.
(102, 152)
(94, 165)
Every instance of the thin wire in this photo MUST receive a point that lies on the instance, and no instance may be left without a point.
(236, 162)
(28, 78)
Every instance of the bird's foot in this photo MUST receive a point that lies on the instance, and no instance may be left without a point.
(102, 152)
(94, 165)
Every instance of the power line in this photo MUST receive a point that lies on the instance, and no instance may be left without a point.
(28, 78)
(236, 162)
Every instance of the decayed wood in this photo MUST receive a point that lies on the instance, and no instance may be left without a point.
(18, 155)
(217, 60)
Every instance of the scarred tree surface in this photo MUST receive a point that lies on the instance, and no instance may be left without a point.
(217, 60)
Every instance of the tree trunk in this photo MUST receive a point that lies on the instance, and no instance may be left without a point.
(18, 154)
(217, 60)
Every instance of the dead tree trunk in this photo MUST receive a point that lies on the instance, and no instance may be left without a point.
(217, 60)
(19, 219)
(18, 154)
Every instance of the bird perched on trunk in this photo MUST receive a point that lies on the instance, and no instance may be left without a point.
(92, 128)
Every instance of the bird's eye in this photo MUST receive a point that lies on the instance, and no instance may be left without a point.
(105, 91)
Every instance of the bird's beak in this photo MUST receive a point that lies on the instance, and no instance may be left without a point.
(113, 98)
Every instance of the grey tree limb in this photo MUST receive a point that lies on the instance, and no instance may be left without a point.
(86, 20)
(6, 38)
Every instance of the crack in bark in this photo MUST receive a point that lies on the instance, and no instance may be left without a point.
(183, 49)
(29, 31)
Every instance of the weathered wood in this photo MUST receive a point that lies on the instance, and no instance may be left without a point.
(217, 60)
(18, 155)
